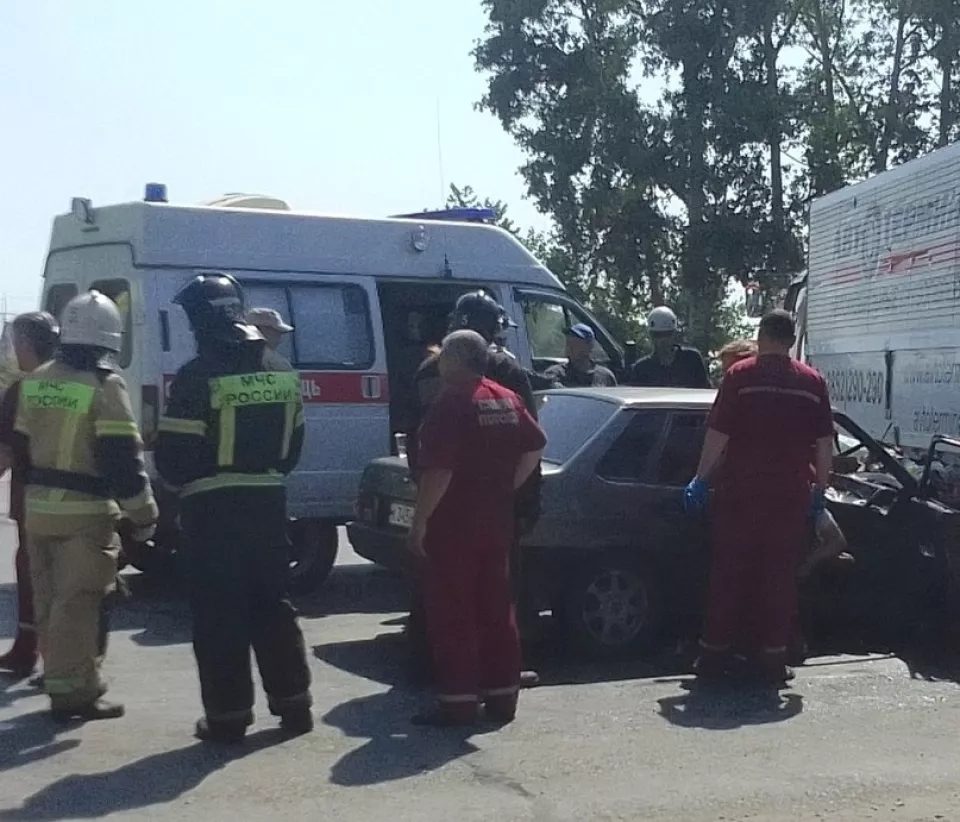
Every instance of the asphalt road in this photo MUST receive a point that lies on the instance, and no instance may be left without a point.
(856, 739)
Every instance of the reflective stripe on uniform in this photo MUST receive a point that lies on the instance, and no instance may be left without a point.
(175, 425)
(458, 698)
(509, 691)
(289, 423)
(75, 398)
(233, 391)
(298, 418)
(74, 508)
(116, 428)
(141, 500)
(230, 480)
(303, 698)
(228, 436)
(60, 685)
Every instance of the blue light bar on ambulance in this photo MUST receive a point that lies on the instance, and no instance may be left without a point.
(155, 193)
(456, 215)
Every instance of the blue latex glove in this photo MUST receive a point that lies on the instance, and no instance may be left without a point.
(818, 502)
(696, 495)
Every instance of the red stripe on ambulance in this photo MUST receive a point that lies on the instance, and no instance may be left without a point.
(331, 387)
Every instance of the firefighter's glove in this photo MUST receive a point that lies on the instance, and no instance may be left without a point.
(696, 495)
(818, 502)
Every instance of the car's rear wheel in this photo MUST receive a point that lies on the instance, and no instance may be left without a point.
(613, 606)
(313, 553)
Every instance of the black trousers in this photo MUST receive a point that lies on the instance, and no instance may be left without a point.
(235, 563)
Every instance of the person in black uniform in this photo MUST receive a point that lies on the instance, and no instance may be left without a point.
(232, 429)
(478, 311)
(670, 364)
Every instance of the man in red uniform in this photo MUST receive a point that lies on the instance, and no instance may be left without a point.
(35, 337)
(770, 415)
(478, 445)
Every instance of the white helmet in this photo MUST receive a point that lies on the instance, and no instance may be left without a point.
(661, 320)
(92, 319)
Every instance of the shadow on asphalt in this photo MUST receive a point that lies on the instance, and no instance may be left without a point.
(394, 748)
(157, 614)
(729, 710)
(30, 738)
(13, 688)
(153, 780)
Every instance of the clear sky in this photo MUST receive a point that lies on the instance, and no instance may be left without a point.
(328, 104)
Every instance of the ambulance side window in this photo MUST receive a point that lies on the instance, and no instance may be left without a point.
(333, 327)
(57, 297)
(546, 323)
(275, 297)
(119, 292)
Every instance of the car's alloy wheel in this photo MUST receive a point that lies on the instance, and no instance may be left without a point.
(612, 607)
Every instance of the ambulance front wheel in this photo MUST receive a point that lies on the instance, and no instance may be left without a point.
(313, 553)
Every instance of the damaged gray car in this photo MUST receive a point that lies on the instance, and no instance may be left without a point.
(623, 570)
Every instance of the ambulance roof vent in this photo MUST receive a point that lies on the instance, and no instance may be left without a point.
(249, 201)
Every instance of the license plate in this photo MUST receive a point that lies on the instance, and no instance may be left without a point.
(401, 515)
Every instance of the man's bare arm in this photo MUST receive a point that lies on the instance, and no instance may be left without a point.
(527, 465)
(714, 444)
(432, 486)
(824, 461)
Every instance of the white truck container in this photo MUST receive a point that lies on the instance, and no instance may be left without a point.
(880, 313)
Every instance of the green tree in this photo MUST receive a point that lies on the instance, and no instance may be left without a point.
(941, 22)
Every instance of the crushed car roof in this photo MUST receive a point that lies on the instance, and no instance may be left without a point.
(631, 396)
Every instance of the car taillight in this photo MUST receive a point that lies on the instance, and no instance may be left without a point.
(150, 414)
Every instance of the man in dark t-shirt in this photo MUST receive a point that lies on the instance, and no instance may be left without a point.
(35, 337)
(670, 364)
(580, 371)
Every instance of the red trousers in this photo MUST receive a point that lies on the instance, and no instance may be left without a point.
(471, 621)
(25, 645)
(757, 541)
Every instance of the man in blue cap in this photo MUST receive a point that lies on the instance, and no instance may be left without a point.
(580, 371)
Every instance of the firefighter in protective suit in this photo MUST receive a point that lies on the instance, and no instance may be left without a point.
(86, 459)
(478, 311)
(231, 431)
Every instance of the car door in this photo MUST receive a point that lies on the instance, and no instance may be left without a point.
(622, 499)
(681, 539)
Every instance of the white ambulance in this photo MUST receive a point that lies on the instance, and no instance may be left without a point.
(879, 308)
(366, 296)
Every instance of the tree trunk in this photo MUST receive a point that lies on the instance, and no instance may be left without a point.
(830, 176)
(693, 271)
(774, 138)
(892, 114)
(947, 58)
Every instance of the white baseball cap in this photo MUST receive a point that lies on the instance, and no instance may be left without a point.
(267, 318)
